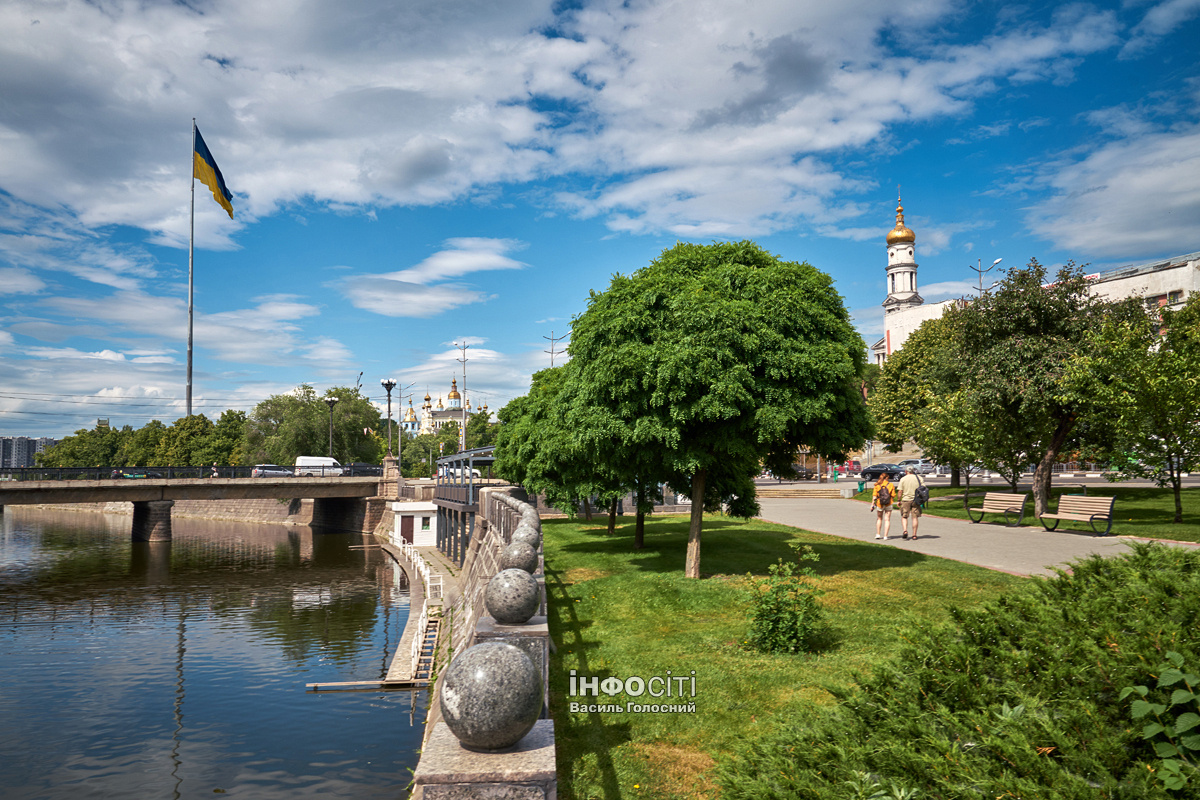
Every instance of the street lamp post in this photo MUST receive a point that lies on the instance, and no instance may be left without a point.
(331, 402)
(389, 384)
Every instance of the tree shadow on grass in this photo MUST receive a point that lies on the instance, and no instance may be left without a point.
(728, 548)
(596, 734)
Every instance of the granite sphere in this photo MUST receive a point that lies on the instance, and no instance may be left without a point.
(531, 518)
(519, 555)
(512, 597)
(491, 696)
(528, 534)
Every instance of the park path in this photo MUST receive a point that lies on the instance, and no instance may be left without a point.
(1021, 551)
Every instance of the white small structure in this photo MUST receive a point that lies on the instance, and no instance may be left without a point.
(416, 523)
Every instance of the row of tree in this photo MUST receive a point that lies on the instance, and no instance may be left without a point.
(693, 372)
(276, 431)
(1034, 371)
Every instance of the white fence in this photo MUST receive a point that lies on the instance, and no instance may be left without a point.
(432, 580)
(419, 640)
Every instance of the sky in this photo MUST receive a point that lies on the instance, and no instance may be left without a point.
(410, 175)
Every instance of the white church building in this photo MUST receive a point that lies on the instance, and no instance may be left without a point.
(1167, 282)
(432, 419)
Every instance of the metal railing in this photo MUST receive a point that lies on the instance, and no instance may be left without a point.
(432, 579)
(168, 472)
(418, 642)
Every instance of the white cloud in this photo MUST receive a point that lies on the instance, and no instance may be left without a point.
(1124, 198)
(357, 104)
(1158, 22)
(15, 280)
(943, 290)
(406, 293)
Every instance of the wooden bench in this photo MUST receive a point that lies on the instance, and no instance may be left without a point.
(999, 503)
(1079, 508)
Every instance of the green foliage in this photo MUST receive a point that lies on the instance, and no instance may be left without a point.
(189, 441)
(419, 454)
(1142, 387)
(98, 447)
(710, 363)
(1175, 733)
(786, 614)
(1017, 699)
(481, 431)
(1014, 347)
(297, 424)
(920, 397)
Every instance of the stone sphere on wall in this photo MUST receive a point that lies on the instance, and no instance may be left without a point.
(527, 534)
(491, 696)
(512, 597)
(519, 555)
(530, 517)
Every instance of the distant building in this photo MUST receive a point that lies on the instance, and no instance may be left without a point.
(433, 418)
(18, 451)
(1161, 283)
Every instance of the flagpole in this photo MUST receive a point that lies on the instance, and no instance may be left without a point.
(191, 255)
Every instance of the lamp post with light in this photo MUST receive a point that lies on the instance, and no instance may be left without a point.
(389, 384)
(983, 271)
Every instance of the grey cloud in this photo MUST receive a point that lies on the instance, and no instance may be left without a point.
(787, 67)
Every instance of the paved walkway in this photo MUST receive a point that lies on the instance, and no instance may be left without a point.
(1022, 551)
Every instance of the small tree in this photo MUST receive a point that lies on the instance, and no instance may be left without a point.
(919, 397)
(1144, 386)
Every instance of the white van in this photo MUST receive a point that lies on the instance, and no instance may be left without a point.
(317, 467)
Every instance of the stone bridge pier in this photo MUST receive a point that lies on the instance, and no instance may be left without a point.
(152, 520)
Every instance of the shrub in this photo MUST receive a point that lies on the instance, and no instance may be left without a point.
(786, 616)
(1018, 699)
(1175, 731)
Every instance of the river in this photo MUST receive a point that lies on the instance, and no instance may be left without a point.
(178, 670)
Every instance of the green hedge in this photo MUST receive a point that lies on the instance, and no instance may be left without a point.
(1018, 699)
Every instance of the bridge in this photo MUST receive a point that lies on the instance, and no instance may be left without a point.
(153, 498)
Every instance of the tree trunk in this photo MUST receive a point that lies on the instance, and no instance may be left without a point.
(955, 474)
(691, 568)
(1177, 486)
(1045, 467)
(587, 510)
(639, 527)
(612, 517)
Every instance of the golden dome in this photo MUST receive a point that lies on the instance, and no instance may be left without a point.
(427, 397)
(410, 415)
(439, 401)
(454, 395)
(900, 233)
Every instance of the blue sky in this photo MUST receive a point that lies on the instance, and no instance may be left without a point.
(407, 175)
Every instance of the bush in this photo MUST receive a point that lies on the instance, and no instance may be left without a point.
(1018, 699)
(786, 617)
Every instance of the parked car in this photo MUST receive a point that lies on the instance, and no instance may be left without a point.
(919, 465)
(804, 473)
(270, 471)
(361, 470)
(894, 472)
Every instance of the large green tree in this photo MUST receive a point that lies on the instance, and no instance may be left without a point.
(1016, 342)
(715, 360)
(1144, 386)
(98, 447)
(298, 424)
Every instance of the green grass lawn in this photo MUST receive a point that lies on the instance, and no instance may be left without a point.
(619, 612)
(1143, 511)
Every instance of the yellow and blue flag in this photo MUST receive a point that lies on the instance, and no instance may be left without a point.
(204, 167)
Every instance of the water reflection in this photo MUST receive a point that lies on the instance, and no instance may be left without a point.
(178, 668)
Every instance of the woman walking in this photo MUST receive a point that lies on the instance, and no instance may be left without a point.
(881, 503)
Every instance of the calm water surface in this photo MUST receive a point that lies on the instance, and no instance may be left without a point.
(177, 670)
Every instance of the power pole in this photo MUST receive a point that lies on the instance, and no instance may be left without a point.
(462, 435)
(552, 351)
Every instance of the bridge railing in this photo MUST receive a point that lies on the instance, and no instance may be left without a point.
(171, 472)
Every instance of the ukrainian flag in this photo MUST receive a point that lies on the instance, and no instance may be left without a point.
(204, 167)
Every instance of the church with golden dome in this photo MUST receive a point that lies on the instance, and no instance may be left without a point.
(432, 418)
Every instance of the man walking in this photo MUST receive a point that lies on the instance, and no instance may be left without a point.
(910, 509)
